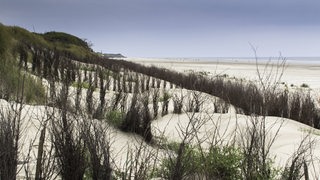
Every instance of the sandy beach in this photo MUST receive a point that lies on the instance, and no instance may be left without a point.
(160, 90)
(228, 126)
(295, 73)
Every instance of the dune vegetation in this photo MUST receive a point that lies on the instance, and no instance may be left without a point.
(68, 113)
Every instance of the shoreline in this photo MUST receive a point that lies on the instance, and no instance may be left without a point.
(294, 73)
(240, 61)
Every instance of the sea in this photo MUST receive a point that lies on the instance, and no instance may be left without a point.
(288, 60)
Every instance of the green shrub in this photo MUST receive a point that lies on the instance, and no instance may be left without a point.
(115, 118)
(13, 81)
(217, 163)
(87, 68)
(84, 85)
(166, 96)
(34, 91)
(189, 160)
(27, 37)
(4, 40)
(304, 85)
(65, 38)
(223, 163)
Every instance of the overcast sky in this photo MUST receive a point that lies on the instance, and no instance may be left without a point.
(177, 28)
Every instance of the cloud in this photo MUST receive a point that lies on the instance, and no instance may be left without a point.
(160, 26)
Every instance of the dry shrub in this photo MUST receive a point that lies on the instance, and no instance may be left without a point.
(138, 118)
(178, 103)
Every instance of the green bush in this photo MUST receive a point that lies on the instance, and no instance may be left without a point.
(217, 163)
(223, 163)
(14, 83)
(65, 38)
(87, 68)
(115, 118)
(166, 96)
(84, 85)
(12, 79)
(34, 91)
(4, 40)
(189, 160)
(24, 36)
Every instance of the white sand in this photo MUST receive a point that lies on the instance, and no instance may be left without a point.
(123, 149)
(296, 74)
(221, 126)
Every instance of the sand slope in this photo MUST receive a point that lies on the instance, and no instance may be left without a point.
(223, 128)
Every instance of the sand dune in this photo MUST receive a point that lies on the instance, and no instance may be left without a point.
(212, 127)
